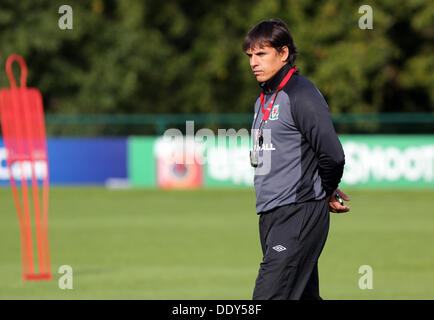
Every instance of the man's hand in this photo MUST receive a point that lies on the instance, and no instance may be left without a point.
(334, 204)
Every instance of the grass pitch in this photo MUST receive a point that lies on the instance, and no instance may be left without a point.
(204, 244)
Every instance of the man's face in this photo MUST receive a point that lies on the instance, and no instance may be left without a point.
(265, 61)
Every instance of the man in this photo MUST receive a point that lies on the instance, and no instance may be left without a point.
(298, 162)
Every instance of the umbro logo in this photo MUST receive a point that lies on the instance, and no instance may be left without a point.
(279, 248)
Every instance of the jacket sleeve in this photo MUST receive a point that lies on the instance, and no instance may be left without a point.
(312, 117)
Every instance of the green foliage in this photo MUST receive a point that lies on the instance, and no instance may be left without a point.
(185, 57)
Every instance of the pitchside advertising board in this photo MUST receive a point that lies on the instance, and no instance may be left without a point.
(75, 161)
(389, 161)
(372, 161)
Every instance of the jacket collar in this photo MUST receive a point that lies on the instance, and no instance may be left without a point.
(272, 84)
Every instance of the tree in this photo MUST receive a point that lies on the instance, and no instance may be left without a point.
(179, 57)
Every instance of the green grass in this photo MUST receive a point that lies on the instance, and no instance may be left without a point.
(204, 244)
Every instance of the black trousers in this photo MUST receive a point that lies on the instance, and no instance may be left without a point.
(292, 238)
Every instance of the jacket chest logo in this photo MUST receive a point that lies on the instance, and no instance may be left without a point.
(274, 114)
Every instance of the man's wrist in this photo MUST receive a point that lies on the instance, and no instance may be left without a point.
(329, 193)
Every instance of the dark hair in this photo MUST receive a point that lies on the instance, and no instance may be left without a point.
(273, 32)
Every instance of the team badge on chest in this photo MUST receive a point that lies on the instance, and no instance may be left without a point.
(274, 114)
